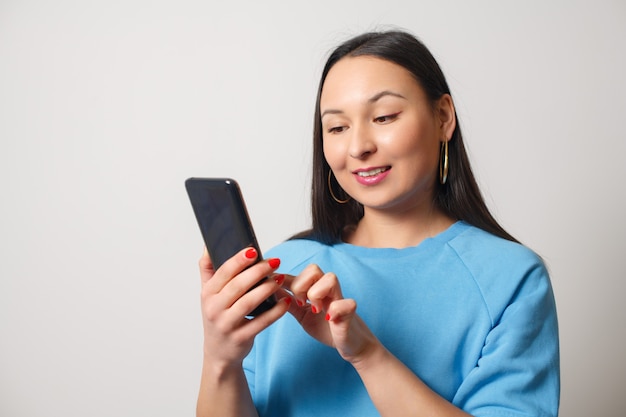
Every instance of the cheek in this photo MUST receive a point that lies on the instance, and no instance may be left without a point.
(417, 140)
(425, 158)
(404, 143)
(333, 153)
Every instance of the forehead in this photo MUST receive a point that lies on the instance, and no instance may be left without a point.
(360, 78)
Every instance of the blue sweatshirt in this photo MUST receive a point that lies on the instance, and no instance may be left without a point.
(471, 314)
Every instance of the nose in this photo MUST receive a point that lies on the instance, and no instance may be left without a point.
(362, 142)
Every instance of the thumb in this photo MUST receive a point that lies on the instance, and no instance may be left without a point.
(207, 270)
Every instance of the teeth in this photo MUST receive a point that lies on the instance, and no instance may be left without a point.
(372, 172)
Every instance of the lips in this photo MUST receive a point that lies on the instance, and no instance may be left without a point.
(371, 176)
(371, 172)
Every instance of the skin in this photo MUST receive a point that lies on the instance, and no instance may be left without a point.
(374, 115)
(228, 336)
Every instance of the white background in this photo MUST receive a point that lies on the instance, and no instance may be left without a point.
(107, 106)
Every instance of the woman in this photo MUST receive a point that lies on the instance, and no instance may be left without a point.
(422, 303)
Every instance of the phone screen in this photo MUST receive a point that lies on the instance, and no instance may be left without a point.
(222, 217)
(224, 222)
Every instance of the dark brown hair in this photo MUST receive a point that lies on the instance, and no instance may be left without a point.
(459, 198)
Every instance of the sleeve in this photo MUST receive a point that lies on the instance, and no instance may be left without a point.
(518, 371)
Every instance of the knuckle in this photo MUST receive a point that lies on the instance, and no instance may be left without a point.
(221, 327)
(307, 278)
(210, 314)
(205, 294)
(239, 338)
(298, 286)
(313, 269)
(315, 293)
(330, 277)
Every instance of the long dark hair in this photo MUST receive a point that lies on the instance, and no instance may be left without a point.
(459, 197)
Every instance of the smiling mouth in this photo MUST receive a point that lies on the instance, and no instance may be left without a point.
(372, 172)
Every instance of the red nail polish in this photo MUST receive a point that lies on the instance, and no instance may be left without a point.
(274, 263)
(280, 278)
(288, 301)
(251, 253)
(314, 309)
(327, 317)
(300, 303)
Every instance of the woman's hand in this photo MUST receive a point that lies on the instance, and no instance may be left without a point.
(323, 312)
(228, 335)
(328, 317)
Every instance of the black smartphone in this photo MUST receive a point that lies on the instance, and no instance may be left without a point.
(224, 223)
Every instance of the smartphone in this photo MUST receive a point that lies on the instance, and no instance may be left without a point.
(224, 223)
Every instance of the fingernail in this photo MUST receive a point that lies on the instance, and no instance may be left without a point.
(327, 317)
(251, 253)
(274, 263)
(314, 309)
(280, 278)
(287, 300)
(300, 303)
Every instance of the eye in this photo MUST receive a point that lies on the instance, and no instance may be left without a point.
(336, 129)
(386, 118)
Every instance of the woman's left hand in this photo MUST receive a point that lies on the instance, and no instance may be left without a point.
(331, 319)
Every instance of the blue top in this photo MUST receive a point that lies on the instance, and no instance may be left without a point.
(471, 314)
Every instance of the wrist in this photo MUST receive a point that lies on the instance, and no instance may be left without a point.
(220, 370)
(375, 355)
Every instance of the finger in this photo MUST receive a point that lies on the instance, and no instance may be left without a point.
(250, 278)
(232, 267)
(263, 321)
(244, 305)
(206, 267)
(341, 310)
(301, 284)
(295, 309)
(323, 292)
(299, 298)
(288, 282)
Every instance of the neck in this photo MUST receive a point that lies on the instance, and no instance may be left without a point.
(380, 229)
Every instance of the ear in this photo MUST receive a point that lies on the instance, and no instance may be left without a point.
(446, 116)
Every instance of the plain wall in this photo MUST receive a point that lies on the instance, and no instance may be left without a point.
(107, 106)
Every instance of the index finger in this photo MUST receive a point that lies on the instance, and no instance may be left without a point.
(233, 266)
(301, 284)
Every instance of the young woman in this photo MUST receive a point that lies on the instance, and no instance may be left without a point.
(406, 298)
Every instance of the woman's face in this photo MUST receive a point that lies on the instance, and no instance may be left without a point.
(381, 134)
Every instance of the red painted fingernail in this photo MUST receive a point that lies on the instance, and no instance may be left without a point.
(274, 263)
(314, 309)
(251, 253)
(288, 301)
(327, 317)
(300, 303)
(280, 278)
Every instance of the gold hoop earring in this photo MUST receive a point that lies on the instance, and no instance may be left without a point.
(332, 194)
(443, 163)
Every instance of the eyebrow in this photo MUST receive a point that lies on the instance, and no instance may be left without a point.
(382, 94)
(371, 100)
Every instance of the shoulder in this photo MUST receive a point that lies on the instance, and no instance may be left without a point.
(501, 270)
(479, 249)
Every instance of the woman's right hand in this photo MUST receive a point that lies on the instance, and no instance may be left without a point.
(228, 335)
